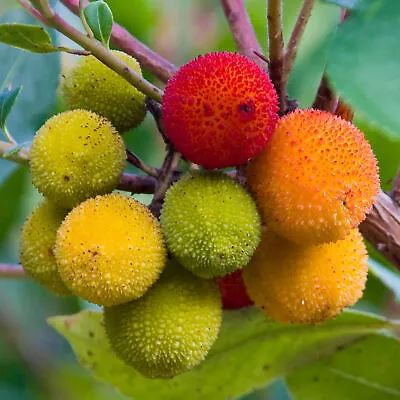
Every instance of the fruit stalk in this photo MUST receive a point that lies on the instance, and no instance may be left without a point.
(122, 39)
(20, 157)
(242, 30)
(12, 271)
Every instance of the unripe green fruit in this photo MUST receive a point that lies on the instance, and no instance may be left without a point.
(210, 223)
(76, 155)
(37, 243)
(93, 86)
(171, 328)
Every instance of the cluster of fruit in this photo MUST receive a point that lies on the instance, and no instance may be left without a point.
(292, 231)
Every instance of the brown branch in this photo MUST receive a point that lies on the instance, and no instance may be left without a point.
(31, 10)
(138, 163)
(382, 228)
(275, 40)
(325, 99)
(242, 30)
(12, 271)
(165, 178)
(122, 39)
(295, 38)
(137, 184)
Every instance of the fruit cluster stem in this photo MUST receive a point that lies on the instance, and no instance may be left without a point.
(122, 39)
(242, 30)
(275, 45)
(106, 56)
(20, 157)
(12, 271)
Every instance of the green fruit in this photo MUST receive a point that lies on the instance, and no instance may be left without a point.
(76, 155)
(171, 328)
(211, 224)
(93, 86)
(37, 243)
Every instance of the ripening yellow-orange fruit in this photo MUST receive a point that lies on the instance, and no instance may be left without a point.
(37, 241)
(76, 155)
(316, 179)
(91, 85)
(306, 284)
(110, 250)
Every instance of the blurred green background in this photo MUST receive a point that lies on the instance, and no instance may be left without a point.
(35, 362)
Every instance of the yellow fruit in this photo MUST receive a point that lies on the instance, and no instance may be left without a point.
(110, 250)
(306, 284)
(316, 179)
(37, 241)
(93, 86)
(76, 155)
(171, 328)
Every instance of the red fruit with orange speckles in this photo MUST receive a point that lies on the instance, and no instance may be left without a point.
(219, 110)
(233, 291)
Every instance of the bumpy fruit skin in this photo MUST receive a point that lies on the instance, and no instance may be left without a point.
(233, 291)
(110, 250)
(76, 155)
(306, 284)
(37, 241)
(316, 179)
(93, 86)
(210, 223)
(219, 110)
(171, 328)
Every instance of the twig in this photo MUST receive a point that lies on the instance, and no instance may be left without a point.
(83, 19)
(12, 271)
(99, 51)
(31, 10)
(395, 193)
(137, 184)
(295, 38)
(122, 39)
(138, 163)
(165, 178)
(275, 40)
(325, 99)
(382, 228)
(20, 157)
(155, 110)
(242, 30)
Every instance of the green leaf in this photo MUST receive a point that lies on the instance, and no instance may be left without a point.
(364, 63)
(100, 20)
(250, 348)
(7, 100)
(28, 37)
(389, 278)
(39, 76)
(366, 370)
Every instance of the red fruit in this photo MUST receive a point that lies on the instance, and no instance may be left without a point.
(233, 291)
(219, 110)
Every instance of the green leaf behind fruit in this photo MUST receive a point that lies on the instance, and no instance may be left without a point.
(250, 352)
(7, 100)
(364, 63)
